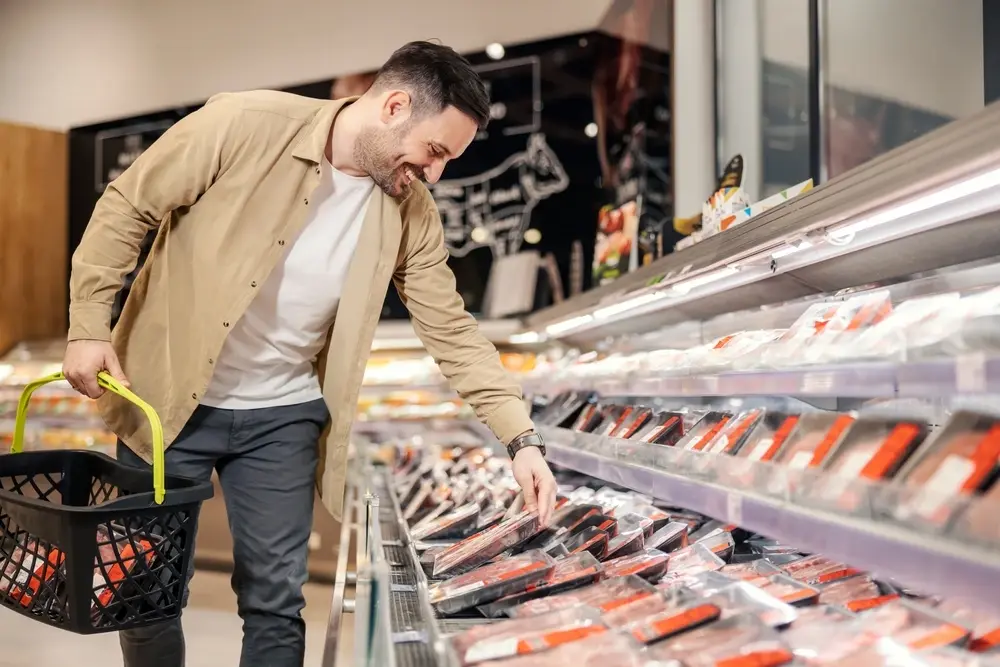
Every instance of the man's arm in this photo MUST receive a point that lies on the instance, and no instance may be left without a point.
(177, 169)
(471, 364)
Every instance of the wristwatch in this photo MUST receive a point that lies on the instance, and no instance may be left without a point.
(531, 439)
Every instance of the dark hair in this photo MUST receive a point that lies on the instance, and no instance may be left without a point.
(436, 77)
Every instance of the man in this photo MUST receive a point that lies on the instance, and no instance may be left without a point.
(281, 221)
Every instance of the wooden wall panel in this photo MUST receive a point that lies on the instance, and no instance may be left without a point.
(33, 234)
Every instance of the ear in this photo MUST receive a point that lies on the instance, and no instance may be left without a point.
(396, 107)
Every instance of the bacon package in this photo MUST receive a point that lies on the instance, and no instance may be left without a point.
(734, 435)
(818, 570)
(664, 428)
(688, 562)
(743, 598)
(767, 439)
(592, 540)
(915, 626)
(482, 547)
(672, 622)
(735, 641)
(569, 573)
(458, 523)
(625, 544)
(490, 582)
(720, 542)
(650, 564)
(704, 431)
(606, 595)
(518, 637)
(813, 438)
(985, 625)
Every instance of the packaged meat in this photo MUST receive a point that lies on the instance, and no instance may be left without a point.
(751, 571)
(490, 582)
(625, 544)
(731, 438)
(480, 548)
(818, 570)
(985, 625)
(954, 657)
(653, 518)
(671, 537)
(574, 513)
(640, 609)
(606, 595)
(874, 449)
(959, 460)
(609, 649)
(858, 593)
(592, 540)
(813, 438)
(633, 423)
(664, 428)
(458, 523)
(588, 419)
(915, 626)
(612, 418)
(720, 543)
(518, 637)
(788, 590)
(650, 564)
(569, 573)
(744, 598)
(704, 431)
(564, 410)
(688, 562)
(766, 440)
(738, 640)
(673, 622)
(821, 615)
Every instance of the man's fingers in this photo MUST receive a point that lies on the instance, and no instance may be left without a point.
(115, 368)
(528, 491)
(546, 496)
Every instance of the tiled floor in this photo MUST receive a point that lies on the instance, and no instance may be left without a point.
(212, 629)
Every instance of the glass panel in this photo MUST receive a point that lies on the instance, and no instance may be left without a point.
(895, 70)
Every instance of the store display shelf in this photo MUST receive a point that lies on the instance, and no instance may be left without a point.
(781, 503)
(969, 374)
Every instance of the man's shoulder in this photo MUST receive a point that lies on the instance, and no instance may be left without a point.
(273, 102)
(417, 205)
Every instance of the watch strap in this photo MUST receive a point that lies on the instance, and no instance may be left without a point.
(528, 440)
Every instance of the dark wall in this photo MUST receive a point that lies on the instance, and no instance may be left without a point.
(533, 168)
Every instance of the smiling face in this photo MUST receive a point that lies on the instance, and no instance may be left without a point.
(402, 147)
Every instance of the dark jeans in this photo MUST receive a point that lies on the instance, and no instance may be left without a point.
(266, 460)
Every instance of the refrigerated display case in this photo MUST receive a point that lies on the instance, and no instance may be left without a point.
(820, 385)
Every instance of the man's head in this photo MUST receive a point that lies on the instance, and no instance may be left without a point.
(426, 106)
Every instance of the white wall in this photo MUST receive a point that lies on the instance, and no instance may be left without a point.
(72, 62)
(925, 53)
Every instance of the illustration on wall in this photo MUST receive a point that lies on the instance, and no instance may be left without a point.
(499, 201)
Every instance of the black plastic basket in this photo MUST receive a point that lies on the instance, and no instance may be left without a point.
(88, 544)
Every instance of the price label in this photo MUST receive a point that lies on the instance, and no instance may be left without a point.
(970, 373)
(734, 508)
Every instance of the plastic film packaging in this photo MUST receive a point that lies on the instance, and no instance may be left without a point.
(458, 523)
(818, 570)
(569, 573)
(482, 547)
(671, 537)
(736, 432)
(813, 438)
(672, 622)
(605, 595)
(490, 582)
(649, 564)
(705, 431)
(609, 649)
(767, 439)
(856, 594)
(915, 626)
(985, 625)
(743, 598)
(738, 641)
(519, 637)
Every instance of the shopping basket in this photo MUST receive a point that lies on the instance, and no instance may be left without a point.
(91, 545)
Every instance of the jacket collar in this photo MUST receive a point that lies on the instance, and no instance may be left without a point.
(312, 144)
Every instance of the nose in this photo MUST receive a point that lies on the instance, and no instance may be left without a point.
(433, 171)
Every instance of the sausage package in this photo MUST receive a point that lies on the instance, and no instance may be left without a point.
(482, 547)
(490, 582)
(569, 573)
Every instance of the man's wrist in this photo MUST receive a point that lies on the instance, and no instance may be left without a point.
(527, 439)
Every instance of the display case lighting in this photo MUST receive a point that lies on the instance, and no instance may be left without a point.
(629, 304)
(566, 326)
(685, 286)
(951, 193)
(526, 338)
(791, 248)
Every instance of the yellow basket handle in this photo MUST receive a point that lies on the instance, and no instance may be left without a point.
(105, 380)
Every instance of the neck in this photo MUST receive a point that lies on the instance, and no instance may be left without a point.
(344, 134)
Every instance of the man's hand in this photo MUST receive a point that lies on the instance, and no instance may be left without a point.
(537, 483)
(85, 359)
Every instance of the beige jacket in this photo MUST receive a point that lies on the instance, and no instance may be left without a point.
(228, 188)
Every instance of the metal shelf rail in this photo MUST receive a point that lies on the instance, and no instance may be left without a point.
(861, 524)
(969, 374)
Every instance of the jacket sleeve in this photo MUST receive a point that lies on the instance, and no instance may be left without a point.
(172, 173)
(471, 364)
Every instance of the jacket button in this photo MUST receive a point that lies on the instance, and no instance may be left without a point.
(211, 361)
(317, 170)
(225, 324)
(306, 201)
(253, 283)
(194, 396)
(281, 243)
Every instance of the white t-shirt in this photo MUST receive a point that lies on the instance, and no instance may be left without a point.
(267, 359)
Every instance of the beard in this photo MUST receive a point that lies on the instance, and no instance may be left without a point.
(376, 153)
